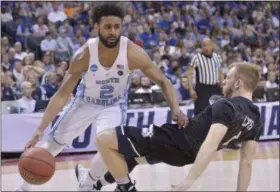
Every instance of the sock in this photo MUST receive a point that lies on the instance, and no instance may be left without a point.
(108, 178)
(123, 181)
(125, 184)
(54, 149)
(97, 170)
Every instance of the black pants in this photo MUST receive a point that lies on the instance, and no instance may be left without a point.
(167, 144)
(204, 92)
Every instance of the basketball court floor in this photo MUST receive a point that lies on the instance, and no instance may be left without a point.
(221, 175)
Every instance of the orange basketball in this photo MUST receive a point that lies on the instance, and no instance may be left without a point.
(36, 166)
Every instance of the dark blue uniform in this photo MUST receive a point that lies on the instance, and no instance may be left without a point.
(179, 147)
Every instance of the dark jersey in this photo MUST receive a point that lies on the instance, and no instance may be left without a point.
(179, 147)
(238, 114)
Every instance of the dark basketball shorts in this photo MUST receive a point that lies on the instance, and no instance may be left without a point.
(166, 144)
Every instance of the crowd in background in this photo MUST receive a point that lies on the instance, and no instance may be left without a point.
(39, 38)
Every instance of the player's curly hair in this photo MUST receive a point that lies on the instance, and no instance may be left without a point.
(107, 9)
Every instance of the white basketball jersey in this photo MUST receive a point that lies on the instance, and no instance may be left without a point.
(105, 86)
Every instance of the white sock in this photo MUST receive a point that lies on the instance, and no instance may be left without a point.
(97, 170)
(54, 149)
(123, 181)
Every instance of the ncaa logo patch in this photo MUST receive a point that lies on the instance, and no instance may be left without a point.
(120, 73)
(93, 68)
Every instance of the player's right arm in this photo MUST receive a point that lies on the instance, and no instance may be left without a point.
(78, 65)
(247, 153)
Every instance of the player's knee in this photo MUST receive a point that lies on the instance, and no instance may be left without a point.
(106, 138)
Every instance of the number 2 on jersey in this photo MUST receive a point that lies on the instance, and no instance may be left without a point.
(106, 91)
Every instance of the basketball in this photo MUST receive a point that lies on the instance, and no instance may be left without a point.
(36, 166)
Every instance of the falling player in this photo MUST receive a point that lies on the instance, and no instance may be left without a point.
(231, 119)
(105, 65)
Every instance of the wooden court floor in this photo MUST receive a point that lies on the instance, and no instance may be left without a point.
(221, 175)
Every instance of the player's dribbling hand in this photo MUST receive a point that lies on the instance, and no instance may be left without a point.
(180, 118)
(38, 135)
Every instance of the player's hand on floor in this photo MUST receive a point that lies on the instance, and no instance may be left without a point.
(181, 119)
(180, 187)
(38, 135)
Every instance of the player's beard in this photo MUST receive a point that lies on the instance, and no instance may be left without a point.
(227, 91)
(109, 44)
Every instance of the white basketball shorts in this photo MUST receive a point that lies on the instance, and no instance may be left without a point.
(78, 115)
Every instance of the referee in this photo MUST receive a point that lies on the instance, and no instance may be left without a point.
(208, 76)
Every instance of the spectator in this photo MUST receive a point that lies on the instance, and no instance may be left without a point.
(14, 85)
(26, 104)
(48, 44)
(247, 56)
(79, 44)
(32, 56)
(271, 81)
(64, 46)
(60, 75)
(236, 32)
(27, 60)
(145, 85)
(19, 54)
(135, 83)
(37, 93)
(40, 29)
(51, 85)
(6, 88)
(249, 31)
(184, 59)
(183, 90)
(70, 9)
(5, 44)
(6, 65)
(23, 32)
(68, 28)
(41, 9)
(189, 41)
(49, 66)
(39, 68)
(56, 15)
(6, 15)
(12, 53)
(17, 72)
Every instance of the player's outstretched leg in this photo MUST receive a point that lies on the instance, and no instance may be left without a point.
(106, 179)
(107, 144)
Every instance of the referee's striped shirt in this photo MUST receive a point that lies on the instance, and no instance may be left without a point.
(207, 68)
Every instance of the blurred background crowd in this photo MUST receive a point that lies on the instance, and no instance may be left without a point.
(39, 38)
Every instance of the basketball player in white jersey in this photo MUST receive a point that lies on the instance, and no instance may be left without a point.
(105, 65)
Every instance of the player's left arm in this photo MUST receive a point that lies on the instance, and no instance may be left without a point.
(206, 152)
(247, 154)
(222, 116)
(138, 59)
